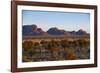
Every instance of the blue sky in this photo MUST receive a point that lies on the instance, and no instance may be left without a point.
(63, 20)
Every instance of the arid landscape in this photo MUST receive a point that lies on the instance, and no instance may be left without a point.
(54, 45)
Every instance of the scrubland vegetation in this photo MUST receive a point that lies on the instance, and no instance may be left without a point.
(55, 49)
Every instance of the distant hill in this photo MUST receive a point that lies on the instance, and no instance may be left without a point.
(33, 30)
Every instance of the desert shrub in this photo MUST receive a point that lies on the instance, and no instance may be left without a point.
(50, 45)
(30, 53)
(86, 43)
(55, 50)
(25, 59)
(72, 56)
(80, 42)
(44, 44)
(64, 43)
(36, 45)
(70, 44)
(83, 43)
(27, 45)
(53, 43)
(74, 44)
